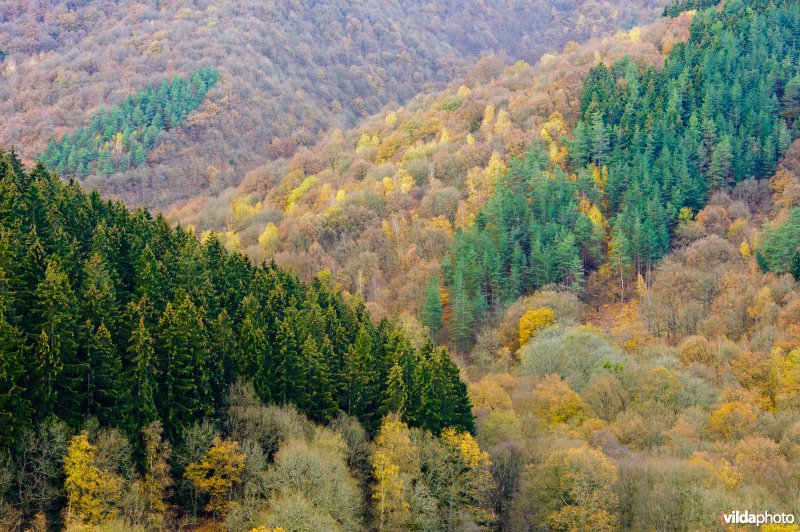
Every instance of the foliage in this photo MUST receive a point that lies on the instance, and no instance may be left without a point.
(117, 140)
(315, 477)
(92, 491)
(62, 61)
(686, 130)
(217, 474)
(531, 233)
(676, 7)
(651, 142)
(533, 321)
(779, 250)
(195, 319)
(573, 354)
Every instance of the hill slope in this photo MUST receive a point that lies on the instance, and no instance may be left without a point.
(288, 70)
(379, 204)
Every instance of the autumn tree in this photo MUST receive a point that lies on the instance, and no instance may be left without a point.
(93, 493)
(533, 321)
(217, 474)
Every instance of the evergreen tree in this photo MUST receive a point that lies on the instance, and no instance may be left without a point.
(182, 352)
(196, 319)
(396, 394)
(289, 379)
(431, 314)
(55, 306)
(109, 142)
(462, 309)
(107, 395)
(222, 359)
(144, 372)
(15, 408)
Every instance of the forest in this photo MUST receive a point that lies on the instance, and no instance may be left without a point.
(369, 202)
(606, 240)
(550, 296)
(120, 139)
(289, 71)
(652, 146)
(111, 318)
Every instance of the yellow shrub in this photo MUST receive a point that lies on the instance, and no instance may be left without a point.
(534, 321)
(555, 401)
(733, 420)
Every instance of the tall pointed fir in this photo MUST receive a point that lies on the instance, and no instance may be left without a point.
(144, 372)
(321, 387)
(222, 350)
(55, 305)
(15, 407)
(108, 395)
(431, 315)
(288, 370)
(396, 395)
(182, 350)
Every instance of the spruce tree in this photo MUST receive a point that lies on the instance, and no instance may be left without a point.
(182, 349)
(222, 349)
(55, 310)
(321, 387)
(431, 314)
(108, 395)
(288, 371)
(396, 395)
(15, 407)
(144, 373)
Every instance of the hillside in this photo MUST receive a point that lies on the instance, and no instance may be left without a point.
(604, 244)
(288, 70)
(378, 205)
(120, 336)
(620, 279)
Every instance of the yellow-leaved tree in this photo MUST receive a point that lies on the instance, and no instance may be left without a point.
(581, 479)
(556, 402)
(733, 420)
(217, 474)
(269, 239)
(478, 484)
(534, 321)
(93, 493)
(394, 465)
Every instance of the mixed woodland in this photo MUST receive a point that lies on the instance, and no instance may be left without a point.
(289, 71)
(551, 297)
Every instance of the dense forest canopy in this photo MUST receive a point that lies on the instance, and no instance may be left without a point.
(120, 139)
(378, 204)
(607, 241)
(289, 70)
(652, 145)
(111, 313)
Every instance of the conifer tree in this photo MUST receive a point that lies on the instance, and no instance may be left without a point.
(55, 306)
(322, 389)
(222, 351)
(446, 402)
(108, 394)
(462, 309)
(182, 350)
(431, 315)
(15, 407)
(98, 293)
(144, 372)
(396, 394)
(288, 379)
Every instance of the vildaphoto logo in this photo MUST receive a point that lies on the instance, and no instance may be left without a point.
(752, 518)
